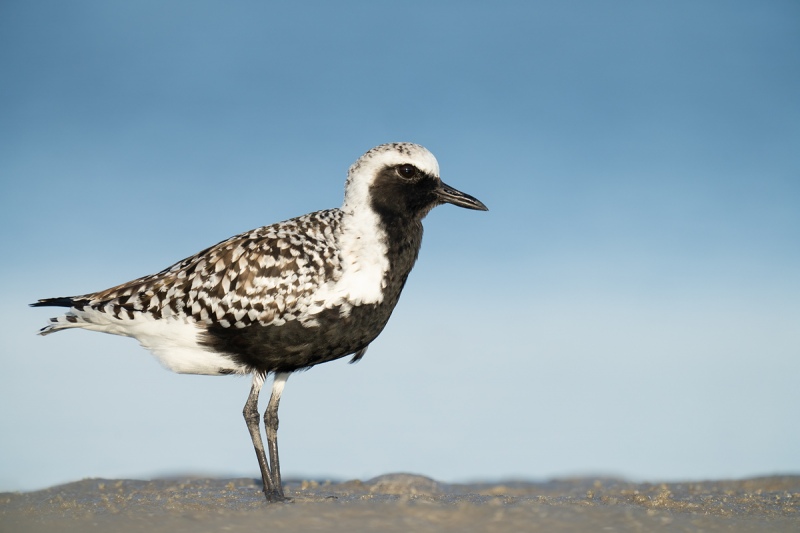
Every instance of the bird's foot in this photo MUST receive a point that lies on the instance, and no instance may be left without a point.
(275, 496)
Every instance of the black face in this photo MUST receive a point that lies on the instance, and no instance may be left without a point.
(404, 191)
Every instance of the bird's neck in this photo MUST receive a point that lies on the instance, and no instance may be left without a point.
(380, 247)
(403, 242)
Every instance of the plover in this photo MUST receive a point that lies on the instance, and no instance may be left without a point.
(283, 297)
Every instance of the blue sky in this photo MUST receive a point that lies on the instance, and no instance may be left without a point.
(630, 305)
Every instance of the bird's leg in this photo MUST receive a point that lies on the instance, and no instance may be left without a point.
(271, 426)
(252, 417)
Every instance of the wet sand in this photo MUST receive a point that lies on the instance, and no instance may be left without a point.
(402, 502)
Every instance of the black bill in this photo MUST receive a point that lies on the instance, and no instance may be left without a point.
(449, 195)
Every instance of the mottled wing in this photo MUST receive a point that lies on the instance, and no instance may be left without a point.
(267, 276)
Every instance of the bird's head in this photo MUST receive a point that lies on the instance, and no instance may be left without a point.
(401, 179)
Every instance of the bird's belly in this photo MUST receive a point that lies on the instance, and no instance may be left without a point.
(294, 344)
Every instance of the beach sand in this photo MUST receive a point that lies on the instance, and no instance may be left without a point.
(404, 502)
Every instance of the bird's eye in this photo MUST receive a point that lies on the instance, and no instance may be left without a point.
(407, 171)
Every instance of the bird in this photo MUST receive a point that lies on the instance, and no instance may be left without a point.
(283, 297)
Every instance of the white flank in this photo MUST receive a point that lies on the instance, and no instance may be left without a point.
(174, 341)
(175, 344)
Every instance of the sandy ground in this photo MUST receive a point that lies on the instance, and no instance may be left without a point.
(402, 502)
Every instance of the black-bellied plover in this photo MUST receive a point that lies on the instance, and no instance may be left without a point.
(283, 297)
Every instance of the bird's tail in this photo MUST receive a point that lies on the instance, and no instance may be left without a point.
(67, 320)
(61, 301)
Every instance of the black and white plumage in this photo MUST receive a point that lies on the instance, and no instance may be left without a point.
(283, 297)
